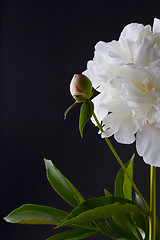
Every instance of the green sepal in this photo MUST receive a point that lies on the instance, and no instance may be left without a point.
(74, 234)
(62, 185)
(68, 109)
(86, 112)
(36, 214)
(123, 186)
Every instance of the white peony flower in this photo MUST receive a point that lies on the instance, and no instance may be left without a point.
(127, 72)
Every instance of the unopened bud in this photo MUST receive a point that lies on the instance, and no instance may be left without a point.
(80, 88)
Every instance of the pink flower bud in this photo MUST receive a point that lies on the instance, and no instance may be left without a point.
(80, 88)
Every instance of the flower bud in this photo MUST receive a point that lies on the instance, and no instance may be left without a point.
(80, 88)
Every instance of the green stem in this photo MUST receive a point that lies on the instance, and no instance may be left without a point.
(152, 218)
(120, 162)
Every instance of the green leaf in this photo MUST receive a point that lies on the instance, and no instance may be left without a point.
(98, 208)
(74, 234)
(123, 186)
(101, 227)
(122, 225)
(139, 202)
(86, 112)
(104, 212)
(95, 202)
(141, 221)
(68, 109)
(62, 185)
(36, 214)
(107, 193)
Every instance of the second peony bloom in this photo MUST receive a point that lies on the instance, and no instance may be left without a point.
(127, 72)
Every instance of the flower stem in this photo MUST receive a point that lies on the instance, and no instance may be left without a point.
(152, 218)
(120, 162)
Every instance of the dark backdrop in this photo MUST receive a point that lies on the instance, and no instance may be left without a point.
(43, 43)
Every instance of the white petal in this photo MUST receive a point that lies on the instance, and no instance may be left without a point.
(97, 67)
(121, 124)
(100, 108)
(102, 103)
(148, 145)
(156, 25)
(153, 116)
(139, 53)
(135, 32)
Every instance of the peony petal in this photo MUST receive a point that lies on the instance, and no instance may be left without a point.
(121, 124)
(148, 144)
(139, 53)
(135, 32)
(102, 103)
(156, 25)
(153, 116)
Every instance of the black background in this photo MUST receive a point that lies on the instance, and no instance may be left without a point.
(43, 43)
